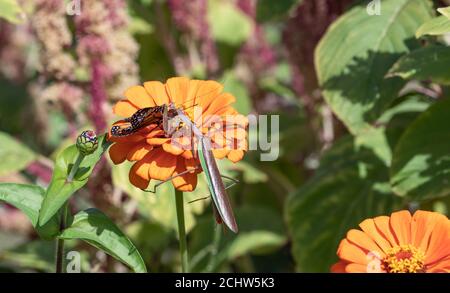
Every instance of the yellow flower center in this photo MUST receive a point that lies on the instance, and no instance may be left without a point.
(404, 259)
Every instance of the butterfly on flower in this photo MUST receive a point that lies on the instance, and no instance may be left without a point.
(141, 118)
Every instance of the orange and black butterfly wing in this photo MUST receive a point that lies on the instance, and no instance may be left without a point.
(122, 128)
(141, 118)
(155, 116)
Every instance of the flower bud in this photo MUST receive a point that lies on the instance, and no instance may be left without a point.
(87, 142)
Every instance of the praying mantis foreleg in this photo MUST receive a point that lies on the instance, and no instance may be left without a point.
(234, 182)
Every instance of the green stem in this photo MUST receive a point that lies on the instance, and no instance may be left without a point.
(214, 249)
(75, 167)
(63, 220)
(181, 231)
(60, 242)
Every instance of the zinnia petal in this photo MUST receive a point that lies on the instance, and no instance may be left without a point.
(172, 148)
(157, 92)
(124, 108)
(382, 224)
(139, 151)
(192, 93)
(138, 96)
(186, 182)
(439, 243)
(422, 225)
(441, 266)
(368, 226)
(361, 239)
(220, 153)
(162, 164)
(206, 93)
(157, 141)
(177, 88)
(355, 268)
(401, 224)
(118, 152)
(235, 155)
(220, 102)
(339, 267)
(352, 253)
(137, 180)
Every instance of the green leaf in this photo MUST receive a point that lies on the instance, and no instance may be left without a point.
(350, 185)
(59, 190)
(267, 10)
(38, 255)
(421, 165)
(14, 156)
(444, 11)
(253, 241)
(378, 138)
(11, 11)
(151, 238)
(140, 26)
(28, 199)
(97, 229)
(434, 27)
(227, 23)
(355, 54)
(429, 63)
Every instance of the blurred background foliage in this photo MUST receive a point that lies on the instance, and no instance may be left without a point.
(357, 115)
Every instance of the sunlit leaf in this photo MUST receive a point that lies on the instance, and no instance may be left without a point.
(14, 156)
(354, 56)
(444, 11)
(59, 190)
(227, 23)
(434, 27)
(28, 199)
(97, 229)
(11, 11)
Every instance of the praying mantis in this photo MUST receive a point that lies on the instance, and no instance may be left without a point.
(173, 119)
(222, 206)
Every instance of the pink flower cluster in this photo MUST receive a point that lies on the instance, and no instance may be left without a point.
(257, 51)
(98, 57)
(190, 17)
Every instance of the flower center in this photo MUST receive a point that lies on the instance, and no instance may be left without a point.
(404, 259)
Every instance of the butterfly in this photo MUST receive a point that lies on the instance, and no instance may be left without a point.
(141, 118)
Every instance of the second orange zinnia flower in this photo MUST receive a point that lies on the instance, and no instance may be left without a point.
(400, 243)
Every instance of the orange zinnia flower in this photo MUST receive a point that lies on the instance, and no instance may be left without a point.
(156, 156)
(397, 244)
